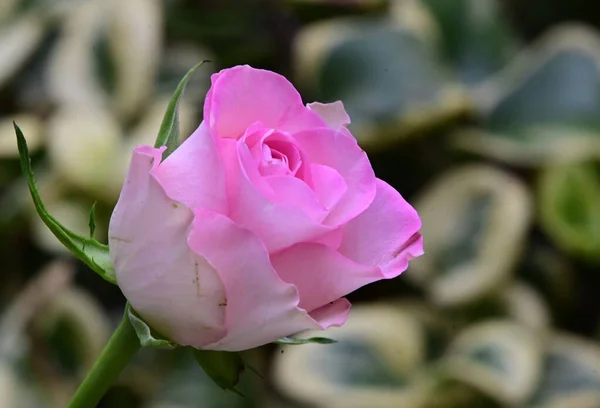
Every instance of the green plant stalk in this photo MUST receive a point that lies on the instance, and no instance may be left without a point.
(117, 353)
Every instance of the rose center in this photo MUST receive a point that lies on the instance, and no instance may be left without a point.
(279, 158)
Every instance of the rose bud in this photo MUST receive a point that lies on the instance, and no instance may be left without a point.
(259, 223)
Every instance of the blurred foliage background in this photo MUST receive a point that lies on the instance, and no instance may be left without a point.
(485, 114)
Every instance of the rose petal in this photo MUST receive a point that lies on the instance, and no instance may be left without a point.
(260, 306)
(174, 290)
(242, 95)
(291, 192)
(321, 274)
(333, 314)
(332, 239)
(328, 185)
(252, 203)
(385, 235)
(333, 114)
(342, 153)
(194, 173)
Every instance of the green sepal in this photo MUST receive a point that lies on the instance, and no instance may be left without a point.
(92, 221)
(223, 367)
(88, 250)
(147, 336)
(295, 341)
(168, 135)
(254, 369)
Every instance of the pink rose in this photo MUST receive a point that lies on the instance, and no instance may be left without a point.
(259, 223)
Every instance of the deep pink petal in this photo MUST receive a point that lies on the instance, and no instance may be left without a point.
(332, 239)
(321, 274)
(242, 95)
(194, 173)
(176, 291)
(252, 203)
(255, 133)
(270, 147)
(341, 152)
(260, 307)
(385, 235)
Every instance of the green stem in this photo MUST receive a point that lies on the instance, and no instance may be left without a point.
(117, 353)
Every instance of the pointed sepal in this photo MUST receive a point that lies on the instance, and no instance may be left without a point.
(147, 336)
(92, 221)
(168, 135)
(290, 341)
(223, 367)
(88, 250)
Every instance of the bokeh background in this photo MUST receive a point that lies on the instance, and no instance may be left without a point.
(485, 114)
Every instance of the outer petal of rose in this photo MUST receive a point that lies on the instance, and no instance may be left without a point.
(385, 235)
(333, 114)
(252, 204)
(334, 149)
(260, 307)
(378, 244)
(242, 95)
(333, 314)
(321, 274)
(194, 173)
(175, 290)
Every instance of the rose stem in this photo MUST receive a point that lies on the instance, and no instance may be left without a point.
(117, 353)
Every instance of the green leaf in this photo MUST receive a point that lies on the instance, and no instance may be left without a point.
(292, 341)
(147, 336)
(88, 250)
(168, 135)
(223, 367)
(254, 370)
(185, 384)
(92, 222)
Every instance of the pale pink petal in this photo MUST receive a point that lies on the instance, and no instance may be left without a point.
(385, 235)
(341, 152)
(194, 173)
(333, 314)
(321, 274)
(252, 203)
(328, 185)
(242, 95)
(333, 114)
(176, 291)
(260, 307)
